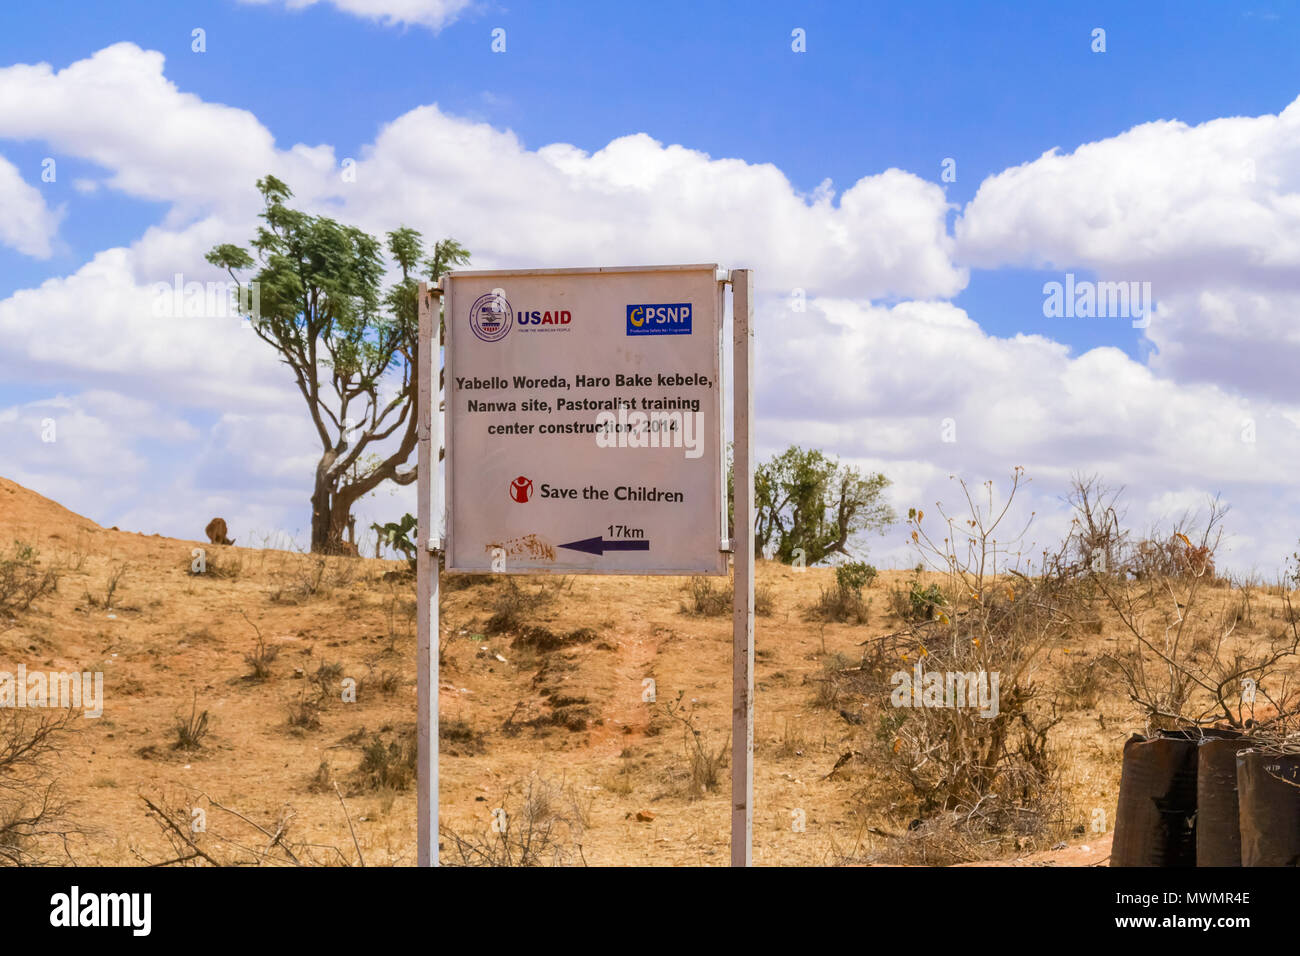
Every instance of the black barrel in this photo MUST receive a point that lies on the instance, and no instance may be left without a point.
(1218, 835)
(1155, 823)
(1268, 787)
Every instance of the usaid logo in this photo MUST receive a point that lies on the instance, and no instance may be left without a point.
(671, 319)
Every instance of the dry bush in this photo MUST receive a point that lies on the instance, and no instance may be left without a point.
(223, 563)
(457, 738)
(326, 678)
(945, 839)
(837, 678)
(513, 605)
(709, 598)
(22, 580)
(304, 713)
(537, 822)
(111, 585)
(191, 730)
(543, 640)
(462, 582)
(307, 576)
(1185, 668)
(263, 654)
(202, 832)
(386, 682)
(399, 612)
(388, 763)
(1097, 541)
(836, 604)
(34, 825)
(1082, 680)
(986, 764)
(704, 762)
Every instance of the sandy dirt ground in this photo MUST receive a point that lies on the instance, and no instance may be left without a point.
(548, 719)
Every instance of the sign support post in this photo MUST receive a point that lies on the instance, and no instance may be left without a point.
(742, 646)
(428, 551)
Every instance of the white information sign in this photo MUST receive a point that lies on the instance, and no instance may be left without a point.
(584, 421)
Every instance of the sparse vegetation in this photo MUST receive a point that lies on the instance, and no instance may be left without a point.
(191, 730)
(1185, 670)
(262, 656)
(512, 605)
(844, 602)
(304, 713)
(537, 822)
(705, 762)
(388, 763)
(115, 575)
(984, 768)
(22, 580)
(708, 598)
(35, 826)
(458, 739)
(564, 680)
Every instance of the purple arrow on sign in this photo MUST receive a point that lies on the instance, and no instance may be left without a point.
(599, 545)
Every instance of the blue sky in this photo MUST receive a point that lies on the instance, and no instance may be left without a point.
(881, 86)
(906, 85)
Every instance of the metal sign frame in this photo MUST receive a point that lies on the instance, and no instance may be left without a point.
(431, 548)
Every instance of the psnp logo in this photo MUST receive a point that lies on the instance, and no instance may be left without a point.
(670, 319)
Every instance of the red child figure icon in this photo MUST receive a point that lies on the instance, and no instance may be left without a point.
(521, 489)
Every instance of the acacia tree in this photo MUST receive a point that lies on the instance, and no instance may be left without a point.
(352, 348)
(805, 501)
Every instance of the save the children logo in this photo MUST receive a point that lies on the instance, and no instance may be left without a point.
(491, 316)
(521, 489)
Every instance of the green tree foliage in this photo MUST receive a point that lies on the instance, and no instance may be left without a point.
(804, 500)
(351, 345)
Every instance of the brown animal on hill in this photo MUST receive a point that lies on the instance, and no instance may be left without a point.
(216, 531)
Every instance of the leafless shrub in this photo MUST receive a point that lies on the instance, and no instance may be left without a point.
(537, 822)
(304, 713)
(1185, 669)
(704, 761)
(326, 678)
(22, 580)
(985, 763)
(35, 828)
(111, 585)
(263, 655)
(202, 832)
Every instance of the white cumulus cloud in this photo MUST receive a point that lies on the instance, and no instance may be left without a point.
(434, 14)
(27, 223)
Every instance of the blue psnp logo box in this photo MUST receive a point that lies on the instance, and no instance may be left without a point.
(659, 319)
